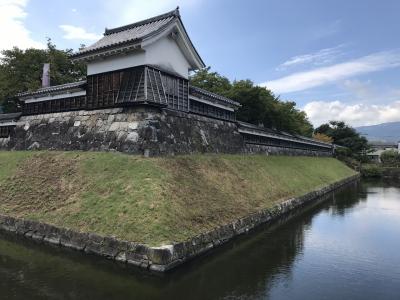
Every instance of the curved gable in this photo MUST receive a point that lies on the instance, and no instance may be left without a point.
(164, 37)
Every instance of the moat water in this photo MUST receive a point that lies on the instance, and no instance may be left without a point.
(347, 247)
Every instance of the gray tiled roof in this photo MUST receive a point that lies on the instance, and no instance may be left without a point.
(130, 33)
(197, 90)
(280, 134)
(9, 117)
(55, 88)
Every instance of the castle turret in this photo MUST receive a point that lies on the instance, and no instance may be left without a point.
(160, 41)
(143, 63)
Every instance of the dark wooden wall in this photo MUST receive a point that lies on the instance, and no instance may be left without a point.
(5, 131)
(57, 105)
(211, 111)
(143, 84)
(112, 88)
(138, 84)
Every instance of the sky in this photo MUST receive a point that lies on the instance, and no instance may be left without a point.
(338, 60)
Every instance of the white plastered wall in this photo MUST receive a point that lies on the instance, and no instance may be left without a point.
(164, 53)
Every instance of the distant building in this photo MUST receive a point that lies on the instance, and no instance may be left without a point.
(378, 148)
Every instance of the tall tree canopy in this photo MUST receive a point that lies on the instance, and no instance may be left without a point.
(344, 135)
(21, 70)
(259, 105)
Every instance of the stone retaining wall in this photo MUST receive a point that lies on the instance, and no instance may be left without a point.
(144, 130)
(159, 259)
(138, 130)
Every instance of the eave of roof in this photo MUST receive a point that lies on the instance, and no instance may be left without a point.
(109, 34)
(121, 47)
(54, 89)
(279, 135)
(190, 41)
(195, 89)
(109, 45)
(9, 117)
(164, 70)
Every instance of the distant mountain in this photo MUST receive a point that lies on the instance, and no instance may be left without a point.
(385, 132)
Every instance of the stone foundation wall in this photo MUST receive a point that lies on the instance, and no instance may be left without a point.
(166, 257)
(271, 150)
(139, 130)
(143, 130)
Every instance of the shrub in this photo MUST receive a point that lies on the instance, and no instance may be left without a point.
(391, 157)
(371, 171)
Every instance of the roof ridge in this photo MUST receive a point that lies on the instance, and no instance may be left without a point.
(172, 13)
(282, 133)
(53, 87)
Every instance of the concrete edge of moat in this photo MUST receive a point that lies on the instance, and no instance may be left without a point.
(167, 257)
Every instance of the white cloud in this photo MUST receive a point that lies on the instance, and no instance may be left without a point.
(325, 75)
(78, 33)
(321, 57)
(12, 29)
(320, 112)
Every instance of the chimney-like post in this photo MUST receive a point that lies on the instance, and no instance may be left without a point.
(46, 75)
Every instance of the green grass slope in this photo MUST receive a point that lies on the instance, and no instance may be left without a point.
(153, 200)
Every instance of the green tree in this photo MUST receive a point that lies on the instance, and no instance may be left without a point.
(390, 157)
(21, 70)
(211, 81)
(344, 135)
(259, 105)
(291, 119)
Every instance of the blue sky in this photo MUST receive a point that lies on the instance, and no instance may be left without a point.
(336, 59)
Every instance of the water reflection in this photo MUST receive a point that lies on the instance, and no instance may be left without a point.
(323, 246)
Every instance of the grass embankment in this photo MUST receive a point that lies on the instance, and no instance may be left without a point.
(152, 200)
